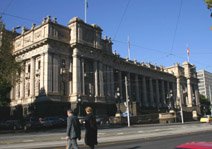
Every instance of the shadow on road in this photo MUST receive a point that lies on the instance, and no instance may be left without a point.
(136, 147)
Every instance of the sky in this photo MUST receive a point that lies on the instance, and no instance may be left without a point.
(159, 31)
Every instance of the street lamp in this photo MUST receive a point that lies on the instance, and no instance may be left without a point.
(79, 100)
(118, 99)
(169, 97)
(62, 73)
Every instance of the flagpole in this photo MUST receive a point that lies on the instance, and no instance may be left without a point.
(188, 58)
(188, 53)
(129, 47)
(86, 5)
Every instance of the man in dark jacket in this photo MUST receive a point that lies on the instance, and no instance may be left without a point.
(73, 131)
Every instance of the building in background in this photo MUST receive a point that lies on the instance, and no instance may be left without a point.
(205, 83)
(75, 64)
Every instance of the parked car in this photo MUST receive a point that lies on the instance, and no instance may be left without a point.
(52, 121)
(102, 120)
(206, 119)
(11, 125)
(32, 124)
(195, 145)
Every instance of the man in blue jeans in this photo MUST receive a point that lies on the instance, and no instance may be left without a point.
(73, 131)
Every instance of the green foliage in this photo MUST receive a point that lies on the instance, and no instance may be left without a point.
(204, 100)
(204, 105)
(8, 65)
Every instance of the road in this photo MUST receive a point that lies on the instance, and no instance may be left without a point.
(159, 143)
(133, 137)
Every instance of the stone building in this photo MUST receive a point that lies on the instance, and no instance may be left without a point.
(75, 64)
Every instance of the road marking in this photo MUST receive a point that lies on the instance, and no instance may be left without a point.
(27, 140)
(101, 133)
(140, 131)
(120, 133)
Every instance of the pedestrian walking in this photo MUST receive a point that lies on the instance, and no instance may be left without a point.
(90, 128)
(73, 131)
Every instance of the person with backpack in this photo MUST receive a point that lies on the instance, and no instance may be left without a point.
(73, 131)
(90, 128)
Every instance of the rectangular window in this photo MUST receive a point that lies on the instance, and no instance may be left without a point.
(38, 65)
(29, 68)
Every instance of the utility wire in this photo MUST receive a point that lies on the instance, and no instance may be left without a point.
(176, 27)
(122, 18)
(161, 51)
(18, 17)
(6, 8)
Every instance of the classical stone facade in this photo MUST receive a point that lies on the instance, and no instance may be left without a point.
(67, 63)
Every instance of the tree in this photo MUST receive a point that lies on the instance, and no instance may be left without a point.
(205, 105)
(209, 3)
(9, 68)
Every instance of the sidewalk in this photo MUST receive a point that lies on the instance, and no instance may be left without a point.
(107, 135)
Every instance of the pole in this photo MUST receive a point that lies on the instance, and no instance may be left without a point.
(86, 6)
(181, 107)
(129, 47)
(127, 102)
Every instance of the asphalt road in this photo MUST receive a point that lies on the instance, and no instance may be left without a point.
(150, 136)
(158, 143)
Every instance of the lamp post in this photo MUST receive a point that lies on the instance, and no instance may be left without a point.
(169, 97)
(62, 73)
(79, 100)
(118, 100)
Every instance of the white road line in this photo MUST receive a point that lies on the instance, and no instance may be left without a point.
(120, 133)
(27, 140)
(140, 131)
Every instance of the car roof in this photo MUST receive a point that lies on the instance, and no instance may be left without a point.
(195, 145)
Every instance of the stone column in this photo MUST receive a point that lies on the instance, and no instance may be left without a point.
(151, 92)
(70, 77)
(167, 94)
(179, 96)
(189, 88)
(112, 82)
(12, 96)
(56, 74)
(22, 85)
(129, 86)
(137, 89)
(76, 74)
(50, 73)
(197, 95)
(83, 76)
(107, 68)
(163, 92)
(173, 94)
(157, 94)
(32, 77)
(96, 78)
(144, 91)
(42, 70)
(120, 84)
(45, 72)
(101, 81)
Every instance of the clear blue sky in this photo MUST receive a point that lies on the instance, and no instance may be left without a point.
(159, 32)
